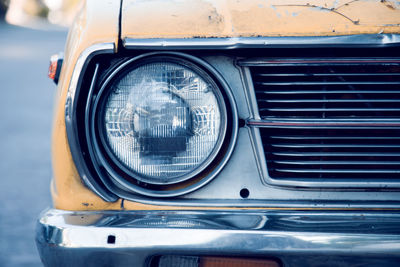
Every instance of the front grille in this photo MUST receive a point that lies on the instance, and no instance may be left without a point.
(332, 119)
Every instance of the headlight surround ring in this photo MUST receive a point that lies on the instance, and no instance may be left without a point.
(127, 181)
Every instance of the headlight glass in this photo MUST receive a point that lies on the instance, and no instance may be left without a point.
(163, 121)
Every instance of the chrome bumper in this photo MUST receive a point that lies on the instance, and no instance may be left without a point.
(132, 238)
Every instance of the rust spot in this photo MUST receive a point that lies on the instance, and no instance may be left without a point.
(215, 17)
(388, 4)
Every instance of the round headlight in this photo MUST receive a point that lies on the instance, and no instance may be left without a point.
(162, 120)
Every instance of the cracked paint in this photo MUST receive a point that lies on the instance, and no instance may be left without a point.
(323, 9)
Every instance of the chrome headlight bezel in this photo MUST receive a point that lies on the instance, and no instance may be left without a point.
(124, 180)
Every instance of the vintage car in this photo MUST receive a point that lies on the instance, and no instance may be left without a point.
(227, 133)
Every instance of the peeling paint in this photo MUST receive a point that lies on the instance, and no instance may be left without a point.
(388, 4)
(335, 4)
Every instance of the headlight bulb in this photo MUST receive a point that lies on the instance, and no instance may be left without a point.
(162, 122)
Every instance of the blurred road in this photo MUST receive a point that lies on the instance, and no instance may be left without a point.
(26, 104)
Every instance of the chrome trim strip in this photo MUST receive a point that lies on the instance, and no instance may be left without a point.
(254, 132)
(364, 40)
(250, 94)
(66, 238)
(70, 120)
(322, 124)
(317, 204)
(256, 143)
(261, 62)
(87, 54)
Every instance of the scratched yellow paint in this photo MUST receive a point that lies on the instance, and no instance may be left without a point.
(98, 23)
(235, 18)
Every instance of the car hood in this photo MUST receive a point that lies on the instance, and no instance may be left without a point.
(143, 19)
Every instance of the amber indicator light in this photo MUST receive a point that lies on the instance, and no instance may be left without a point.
(53, 67)
(235, 262)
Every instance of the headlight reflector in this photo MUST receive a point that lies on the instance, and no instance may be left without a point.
(163, 121)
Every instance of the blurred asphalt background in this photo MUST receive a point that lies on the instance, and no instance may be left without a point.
(26, 105)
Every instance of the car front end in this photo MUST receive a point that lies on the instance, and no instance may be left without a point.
(227, 133)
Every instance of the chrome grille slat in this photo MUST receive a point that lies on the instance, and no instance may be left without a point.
(304, 92)
(334, 119)
(324, 74)
(333, 146)
(337, 171)
(327, 62)
(328, 109)
(323, 83)
(335, 137)
(331, 100)
(334, 154)
(341, 162)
